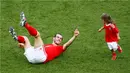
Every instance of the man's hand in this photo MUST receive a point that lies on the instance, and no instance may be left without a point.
(21, 45)
(76, 32)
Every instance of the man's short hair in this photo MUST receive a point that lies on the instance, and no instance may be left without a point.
(56, 34)
(59, 34)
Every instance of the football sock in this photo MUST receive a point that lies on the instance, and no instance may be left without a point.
(21, 39)
(119, 49)
(113, 53)
(32, 31)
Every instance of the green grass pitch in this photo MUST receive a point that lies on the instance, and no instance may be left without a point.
(87, 54)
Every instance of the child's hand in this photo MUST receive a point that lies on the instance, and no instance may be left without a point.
(118, 38)
(99, 30)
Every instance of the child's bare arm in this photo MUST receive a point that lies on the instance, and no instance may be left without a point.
(118, 36)
(101, 29)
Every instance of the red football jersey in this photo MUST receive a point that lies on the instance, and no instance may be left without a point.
(111, 33)
(52, 51)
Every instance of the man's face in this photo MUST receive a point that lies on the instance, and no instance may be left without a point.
(57, 39)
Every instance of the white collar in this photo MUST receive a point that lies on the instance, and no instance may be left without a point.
(108, 24)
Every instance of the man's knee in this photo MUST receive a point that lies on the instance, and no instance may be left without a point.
(27, 42)
(25, 38)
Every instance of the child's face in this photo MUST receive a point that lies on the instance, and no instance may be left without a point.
(103, 21)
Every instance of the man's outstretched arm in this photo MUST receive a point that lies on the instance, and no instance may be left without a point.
(76, 33)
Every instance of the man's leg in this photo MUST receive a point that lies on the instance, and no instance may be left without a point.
(30, 52)
(32, 31)
(25, 41)
(38, 41)
(21, 39)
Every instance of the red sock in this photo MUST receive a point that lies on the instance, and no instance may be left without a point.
(119, 49)
(32, 31)
(21, 39)
(113, 54)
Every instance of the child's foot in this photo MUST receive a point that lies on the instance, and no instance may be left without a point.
(114, 57)
(119, 49)
(13, 33)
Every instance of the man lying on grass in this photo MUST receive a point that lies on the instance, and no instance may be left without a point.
(40, 52)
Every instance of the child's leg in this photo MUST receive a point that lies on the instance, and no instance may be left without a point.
(113, 49)
(119, 49)
(113, 54)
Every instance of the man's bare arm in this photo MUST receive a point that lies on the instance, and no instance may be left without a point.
(76, 33)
